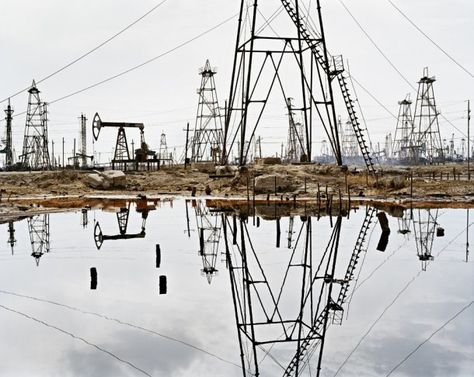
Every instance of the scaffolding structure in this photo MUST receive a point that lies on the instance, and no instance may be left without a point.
(35, 153)
(271, 61)
(426, 136)
(207, 142)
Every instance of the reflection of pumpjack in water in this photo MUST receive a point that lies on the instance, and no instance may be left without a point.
(300, 309)
(122, 221)
(38, 228)
(424, 226)
(209, 229)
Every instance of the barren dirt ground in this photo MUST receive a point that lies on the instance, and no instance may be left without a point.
(51, 188)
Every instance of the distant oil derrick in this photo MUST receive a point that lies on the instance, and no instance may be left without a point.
(295, 143)
(35, 154)
(349, 144)
(207, 142)
(8, 142)
(163, 151)
(404, 147)
(427, 137)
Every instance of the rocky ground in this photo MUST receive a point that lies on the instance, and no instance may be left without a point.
(447, 184)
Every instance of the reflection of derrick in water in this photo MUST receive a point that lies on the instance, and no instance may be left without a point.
(122, 222)
(11, 235)
(300, 310)
(424, 226)
(38, 228)
(209, 230)
(405, 222)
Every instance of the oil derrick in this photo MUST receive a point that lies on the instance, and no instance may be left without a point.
(35, 154)
(259, 62)
(295, 142)
(38, 228)
(350, 149)
(83, 138)
(427, 137)
(209, 230)
(8, 149)
(163, 151)
(404, 145)
(424, 227)
(207, 141)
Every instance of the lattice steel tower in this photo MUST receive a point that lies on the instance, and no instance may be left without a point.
(207, 141)
(404, 144)
(163, 151)
(83, 135)
(35, 154)
(285, 56)
(427, 135)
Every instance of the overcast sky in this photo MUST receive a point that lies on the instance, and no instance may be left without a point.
(39, 37)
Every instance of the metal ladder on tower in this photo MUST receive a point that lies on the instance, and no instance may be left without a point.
(337, 71)
(360, 246)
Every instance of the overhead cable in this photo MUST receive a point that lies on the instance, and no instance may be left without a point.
(90, 51)
(430, 39)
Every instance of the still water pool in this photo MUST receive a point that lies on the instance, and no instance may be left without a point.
(174, 289)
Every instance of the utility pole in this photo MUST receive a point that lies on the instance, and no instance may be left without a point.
(52, 154)
(64, 164)
(186, 147)
(74, 158)
(468, 140)
(9, 143)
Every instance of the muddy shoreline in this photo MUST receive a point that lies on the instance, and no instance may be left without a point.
(300, 187)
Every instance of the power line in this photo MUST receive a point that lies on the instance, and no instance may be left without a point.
(200, 35)
(147, 61)
(393, 66)
(90, 51)
(376, 46)
(75, 337)
(137, 327)
(430, 39)
(394, 301)
(428, 339)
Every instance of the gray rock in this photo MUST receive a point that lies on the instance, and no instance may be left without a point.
(265, 184)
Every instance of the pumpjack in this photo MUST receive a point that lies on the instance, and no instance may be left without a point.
(122, 158)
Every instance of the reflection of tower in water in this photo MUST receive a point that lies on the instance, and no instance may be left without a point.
(209, 230)
(38, 228)
(285, 310)
(424, 226)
